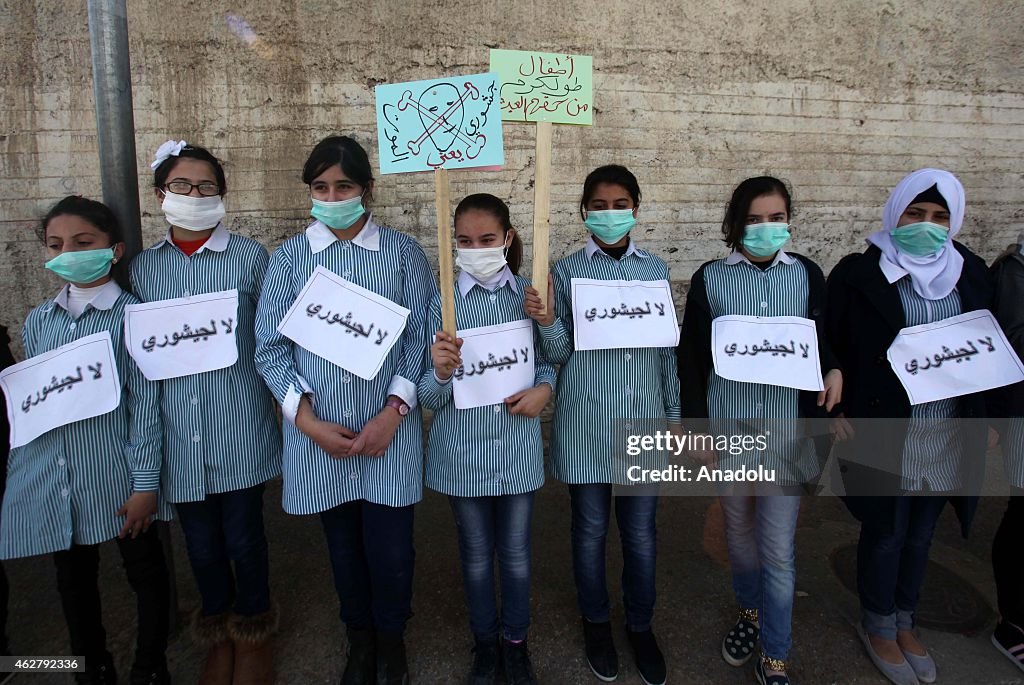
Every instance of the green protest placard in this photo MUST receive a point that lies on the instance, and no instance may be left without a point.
(541, 86)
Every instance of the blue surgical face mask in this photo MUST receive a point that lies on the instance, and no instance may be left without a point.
(921, 239)
(338, 215)
(85, 266)
(764, 240)
(610, 225)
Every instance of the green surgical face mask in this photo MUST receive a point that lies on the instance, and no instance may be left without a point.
(921, 239)
(85, 266)
(764, 240)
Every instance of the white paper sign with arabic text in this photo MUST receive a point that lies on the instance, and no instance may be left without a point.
(344, 323)
(617, 314)
(773, 350)
(183, 336)
(73, 382)
(956, 356)
(497, 362)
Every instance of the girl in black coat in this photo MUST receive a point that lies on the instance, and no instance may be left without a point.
(912, 273)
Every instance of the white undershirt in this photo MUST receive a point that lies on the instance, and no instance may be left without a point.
(78, 298)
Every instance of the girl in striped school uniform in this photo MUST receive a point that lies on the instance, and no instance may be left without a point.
(489, 459)
(912, 273)
(353, 447)
(96, 479)
(221, 437)
(598, 389)
(760, 279)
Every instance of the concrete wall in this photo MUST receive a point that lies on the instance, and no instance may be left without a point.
(840, 98)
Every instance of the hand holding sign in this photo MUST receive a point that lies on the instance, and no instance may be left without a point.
(541, 311)
(444, 353)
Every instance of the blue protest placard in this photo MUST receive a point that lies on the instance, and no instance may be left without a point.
(451, 123)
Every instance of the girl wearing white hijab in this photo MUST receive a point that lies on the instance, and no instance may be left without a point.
(912, 273)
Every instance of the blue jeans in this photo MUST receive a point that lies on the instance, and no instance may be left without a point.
(489, 525)
(635, 514)
(891, 565)
(759, 531)
(222, 529)
(372, 560)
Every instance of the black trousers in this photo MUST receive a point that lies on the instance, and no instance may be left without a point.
(1008, 561)
(143, 560)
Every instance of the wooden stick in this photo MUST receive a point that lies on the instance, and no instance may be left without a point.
(446, 273)
(542, 210)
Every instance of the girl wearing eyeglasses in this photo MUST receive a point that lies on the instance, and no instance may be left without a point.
(221, 437)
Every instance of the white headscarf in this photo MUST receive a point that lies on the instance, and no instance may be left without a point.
(935, 276)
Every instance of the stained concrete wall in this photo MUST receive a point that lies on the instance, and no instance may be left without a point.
(840, 98)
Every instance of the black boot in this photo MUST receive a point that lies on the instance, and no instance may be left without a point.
(99, 670)
(392, 668)
(518, 670)
(485, 662)
(361, 660)
(147, 676)
(601, 654)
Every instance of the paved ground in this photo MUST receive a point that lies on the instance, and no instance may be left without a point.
(694, 605)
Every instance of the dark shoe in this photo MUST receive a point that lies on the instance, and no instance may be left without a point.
(650, 662)
(518, 670)
(485, 662)
(211, 632)
(1009, 639)
(739, 643)
(361, 659)
(392, 667)
(601, 654)
(761, 669)
(98, 671)
(139, 676)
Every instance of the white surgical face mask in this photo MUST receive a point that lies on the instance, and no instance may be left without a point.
(482, 263)
(193, 213)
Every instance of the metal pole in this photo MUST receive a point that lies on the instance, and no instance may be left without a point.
(115, 135)
(115, 119)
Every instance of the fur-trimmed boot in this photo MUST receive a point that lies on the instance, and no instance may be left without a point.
(254, 650)
(211, 632)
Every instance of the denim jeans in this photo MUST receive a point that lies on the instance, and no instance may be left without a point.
(226, 529)
(760, 532)
(490, 526)
(146, 569)
(372, 556)
(891, 565)
(635, 515)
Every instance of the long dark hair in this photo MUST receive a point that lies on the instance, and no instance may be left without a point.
(735, 222)
(485, 202)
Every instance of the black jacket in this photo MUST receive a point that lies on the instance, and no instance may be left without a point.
(864, 316)
(1008, 306)
(694, 350)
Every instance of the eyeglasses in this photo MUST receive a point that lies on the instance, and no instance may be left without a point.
(206, 189)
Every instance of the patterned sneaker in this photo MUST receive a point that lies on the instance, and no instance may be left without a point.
(738, 644)
(1009, 639)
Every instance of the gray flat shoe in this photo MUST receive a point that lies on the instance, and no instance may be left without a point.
(899, 674)
(924, 666)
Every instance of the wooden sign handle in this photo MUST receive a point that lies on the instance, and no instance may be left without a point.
(446, 273)
(542, 210)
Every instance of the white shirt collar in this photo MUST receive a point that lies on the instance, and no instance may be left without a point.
(592, 248)
(320, 237)
(218, 240)
(466, 282)
(105, 297)
(890, 269)
(737, 257)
